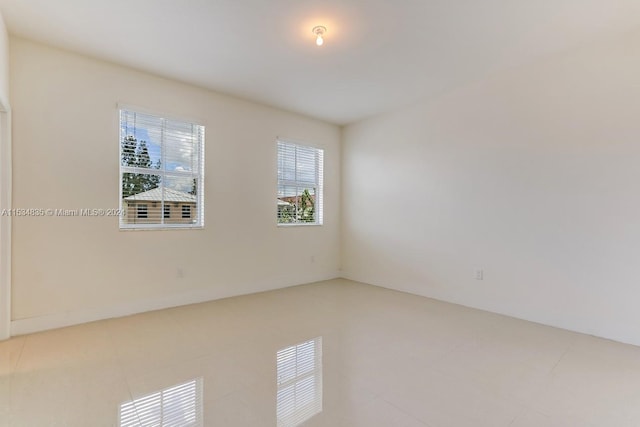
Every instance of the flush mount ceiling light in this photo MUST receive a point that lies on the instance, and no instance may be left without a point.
(319, 31)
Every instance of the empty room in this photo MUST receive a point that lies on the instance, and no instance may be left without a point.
(339, 213)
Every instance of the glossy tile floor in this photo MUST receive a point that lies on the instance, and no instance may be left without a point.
(336, 353)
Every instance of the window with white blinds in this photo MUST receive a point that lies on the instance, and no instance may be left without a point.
(299, 371)
(300, 176)
(161, 172)
(180, 405)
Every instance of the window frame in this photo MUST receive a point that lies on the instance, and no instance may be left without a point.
(199, 175)
(319, 182)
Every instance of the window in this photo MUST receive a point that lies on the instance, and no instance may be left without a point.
(299, 390)
(143, 212)
(161, 162)
(300, 170)
(186, 211)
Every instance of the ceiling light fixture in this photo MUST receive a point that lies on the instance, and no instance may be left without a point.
(319, 32)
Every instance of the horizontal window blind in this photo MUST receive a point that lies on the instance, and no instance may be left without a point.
(180, 405)
(299, 377)
(300, 181)
(161, 172)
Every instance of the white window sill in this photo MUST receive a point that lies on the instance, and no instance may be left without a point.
(161, 227)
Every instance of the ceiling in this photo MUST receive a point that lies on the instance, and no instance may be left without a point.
(378, 54)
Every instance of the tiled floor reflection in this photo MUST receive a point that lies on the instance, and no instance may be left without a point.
(299, 379)
(336, 354)
(180, 405)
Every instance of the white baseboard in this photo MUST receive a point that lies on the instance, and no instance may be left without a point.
(611, 334)
(60, 320)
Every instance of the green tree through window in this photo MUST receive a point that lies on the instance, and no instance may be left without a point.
(136, 154)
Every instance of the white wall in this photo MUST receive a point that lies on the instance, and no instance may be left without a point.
(532, 175)
(5, 185)
(4, 66)
(74, 269)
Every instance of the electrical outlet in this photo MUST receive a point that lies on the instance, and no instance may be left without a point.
(479, 274)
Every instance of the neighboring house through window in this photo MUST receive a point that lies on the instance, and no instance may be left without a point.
(186, 211)
(142, 211)
(300, 179)
(161, 163)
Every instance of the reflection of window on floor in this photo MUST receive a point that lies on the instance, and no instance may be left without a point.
(299, 370)
(180, 405)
